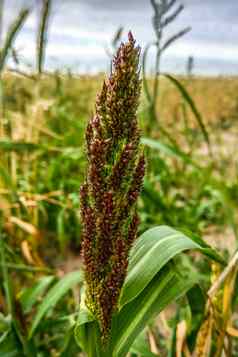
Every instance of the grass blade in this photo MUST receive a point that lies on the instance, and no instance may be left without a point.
(11, 34)
(54, 295)
(169, 150)
(5, 276)
(188, 99)
(18, 146)
(141, 347)
(42, 34)
(174, 38)
(151, 252)
(165, 287)
(30, 295)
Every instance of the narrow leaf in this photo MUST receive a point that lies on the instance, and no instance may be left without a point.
(172, 17)
(168, 150)
(81, 331)
(42, 33)
(11, 34)
(188, 99)
(30, 295)
(174, 38)
(54, 295)
(152, 250)
(141, 346)
(132, 319)
(18, 146)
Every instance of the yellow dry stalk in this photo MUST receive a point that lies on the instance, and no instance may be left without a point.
(212, 318)
(219, 312)
(216, 300)
(27, 128)
(228, 292)
(231, 331)
(204, 337)
(181, 334)
(152, 342)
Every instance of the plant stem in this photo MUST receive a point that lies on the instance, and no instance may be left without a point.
(21, 267)
(226, 272)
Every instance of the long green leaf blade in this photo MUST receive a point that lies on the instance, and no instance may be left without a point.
(42, 33)
(54, 295)
(29, 296)
(18, 146)
(151, 252)
(192, 106)
(11, 34)
(141, 347)
(132, 319)
(168, 150)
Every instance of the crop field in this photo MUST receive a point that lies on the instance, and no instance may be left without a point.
(118, 210)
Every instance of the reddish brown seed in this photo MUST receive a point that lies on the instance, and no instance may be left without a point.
(113, 182)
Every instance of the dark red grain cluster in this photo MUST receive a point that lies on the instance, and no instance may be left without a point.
(114, 177)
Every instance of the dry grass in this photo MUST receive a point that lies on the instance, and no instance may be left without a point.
(216, 99)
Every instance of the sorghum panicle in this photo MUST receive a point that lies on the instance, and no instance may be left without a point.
(113, 182)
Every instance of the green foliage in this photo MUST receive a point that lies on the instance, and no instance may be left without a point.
(141, 346)
(41, 170)
(151, 252)
(29, 296)
(192, 106)
(53, 296)
(11, 34)
(180, 190)
(152, 283)
(168, 150)
(42, 33)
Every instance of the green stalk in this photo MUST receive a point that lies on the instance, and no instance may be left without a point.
(1, 19)
(21, 267)
(42, 34)
(6, 282)
(11, 35)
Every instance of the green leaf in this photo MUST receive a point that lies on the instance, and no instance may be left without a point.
(11, 35)
(197, 304)
(13, 345)
(70, 347)
(81, 331)
(5, 324)
(168, 150)
(42, 33)
(206, 248)
(7, 286)
(30, 295)
(186, 96)
(141, 346)
(6, 177)
(61, 231)
(164, 288)
(152, 250)
(152, 283)
(23, 146)
(9, 346)
(54, 295)
(18, 146)
(87, 335)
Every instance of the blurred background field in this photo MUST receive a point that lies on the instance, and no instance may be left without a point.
(190, 138)
(42, 144)
(43, 164)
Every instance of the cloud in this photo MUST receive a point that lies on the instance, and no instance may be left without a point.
(224, 52)
(80, 30)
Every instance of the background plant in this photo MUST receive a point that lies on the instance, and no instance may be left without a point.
(115, 172)
(165, 12)
(42, 168)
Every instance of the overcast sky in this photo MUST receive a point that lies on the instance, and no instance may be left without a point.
(81, 29)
